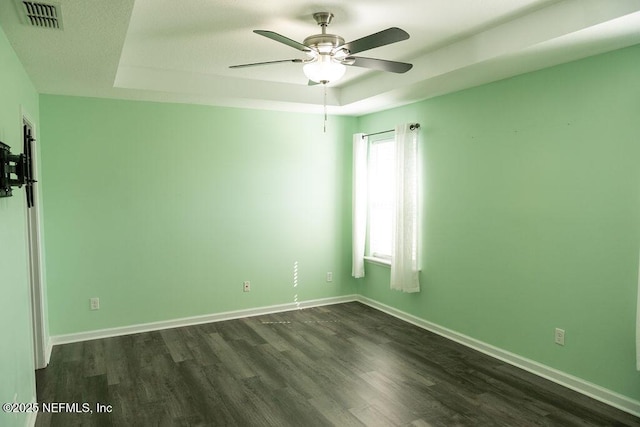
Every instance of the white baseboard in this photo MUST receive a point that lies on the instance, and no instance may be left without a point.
(195, 320)
(574, 383)
(47, 352)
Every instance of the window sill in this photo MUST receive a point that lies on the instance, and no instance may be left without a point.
(379, 261)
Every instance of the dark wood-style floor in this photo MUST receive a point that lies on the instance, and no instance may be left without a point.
(344, 365)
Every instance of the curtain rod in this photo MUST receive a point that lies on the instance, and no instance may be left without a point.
(413, 126)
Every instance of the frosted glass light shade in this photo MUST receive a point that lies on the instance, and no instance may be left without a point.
(324, 70)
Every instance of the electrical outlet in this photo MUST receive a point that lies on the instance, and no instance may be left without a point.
(95, 303)
(246, 286)
(559, 336)
(329, 276)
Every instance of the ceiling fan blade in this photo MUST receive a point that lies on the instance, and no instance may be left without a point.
(312, 83)
(282, 39)
(265, 63)
(382, 38)
(378, 64)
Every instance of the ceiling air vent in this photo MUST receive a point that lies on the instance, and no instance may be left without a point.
(43, 15)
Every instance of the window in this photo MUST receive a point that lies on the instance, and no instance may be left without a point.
(385, 205)
(381, 167)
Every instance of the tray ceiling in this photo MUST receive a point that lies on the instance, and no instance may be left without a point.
(181, 51)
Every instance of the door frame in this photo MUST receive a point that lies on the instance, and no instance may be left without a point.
(41, 346)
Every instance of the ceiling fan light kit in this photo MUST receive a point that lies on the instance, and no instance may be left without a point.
(328, 54)
(324, 69)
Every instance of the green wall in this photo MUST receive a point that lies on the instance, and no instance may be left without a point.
(163, 210)
(16, 352)
(532, 215)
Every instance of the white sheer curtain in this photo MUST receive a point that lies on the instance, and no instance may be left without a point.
(404, 255)
(359, 210)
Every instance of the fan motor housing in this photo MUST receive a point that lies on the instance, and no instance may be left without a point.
(323, 40)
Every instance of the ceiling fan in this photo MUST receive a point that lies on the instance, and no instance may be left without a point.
(328, 54)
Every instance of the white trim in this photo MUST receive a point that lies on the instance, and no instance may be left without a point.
(35, 251)
(638, 324)
(31, 417)
(379, 261)
(574, 383)
(48, 350)
(196, 320)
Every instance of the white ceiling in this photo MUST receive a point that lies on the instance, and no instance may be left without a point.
(180, 51)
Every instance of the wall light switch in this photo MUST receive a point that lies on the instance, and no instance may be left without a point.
(95, 303)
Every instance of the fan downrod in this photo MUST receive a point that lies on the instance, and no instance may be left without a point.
(324, 40)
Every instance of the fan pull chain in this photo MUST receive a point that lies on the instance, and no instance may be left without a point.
(325, 108)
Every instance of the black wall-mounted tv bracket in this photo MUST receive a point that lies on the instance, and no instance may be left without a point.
(14, 170)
